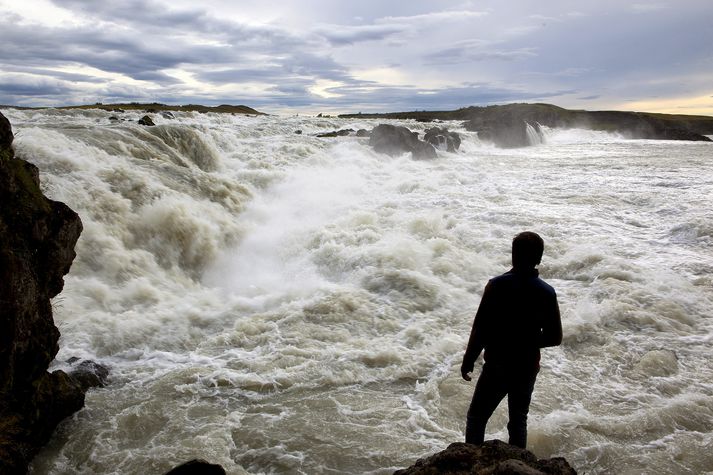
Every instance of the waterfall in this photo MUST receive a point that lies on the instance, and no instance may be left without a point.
(534, 134)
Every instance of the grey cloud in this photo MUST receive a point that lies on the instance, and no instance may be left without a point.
(647, 7)
(223, 76)
(144, 12)
(290, 67)
(385, 27)
(149, 16)
(106, 50)
(467, 55)
(156, 76)
(625, 50)
(150, 38)
(434, 17)
(63, 75)
(357, 98)
(347, 35)
(26, 86)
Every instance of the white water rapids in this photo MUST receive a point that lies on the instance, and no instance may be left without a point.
(282, 303)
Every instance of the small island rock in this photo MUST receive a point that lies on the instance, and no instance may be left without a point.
(443, 139)
(146, 120)
(394, 140)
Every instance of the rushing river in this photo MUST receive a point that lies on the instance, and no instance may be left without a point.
(281, 303)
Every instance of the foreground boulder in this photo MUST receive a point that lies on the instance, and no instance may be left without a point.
(395, 140)
(37, 238)
(146, 120)
(442, 139)
(494, 457)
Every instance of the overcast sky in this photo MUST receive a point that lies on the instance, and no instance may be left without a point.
(360, 55)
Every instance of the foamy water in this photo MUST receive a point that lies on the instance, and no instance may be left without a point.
(281, 303)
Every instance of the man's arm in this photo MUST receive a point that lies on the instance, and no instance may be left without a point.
(476, 342)
(552, 324)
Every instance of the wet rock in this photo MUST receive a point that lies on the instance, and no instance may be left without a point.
(363, 133)
(494, 457)
(507, 133)
(167, 115)
(6, 135)
(37, 238)
(336, 133)
(298, 132)
(442, 139)
(394, 140)
(197, 467)
(146, 120)
(114, 118)
(88, 374)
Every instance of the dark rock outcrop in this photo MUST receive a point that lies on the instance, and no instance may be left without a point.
(336, 133)
(88, 374)
(197, 467)
(505, 125)
(442, 139)
(363, 133)
(494, 457)
(146, 120)
(37, 238)
(394, 140)
(6, 135)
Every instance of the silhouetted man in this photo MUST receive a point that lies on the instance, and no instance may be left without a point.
(518, 315)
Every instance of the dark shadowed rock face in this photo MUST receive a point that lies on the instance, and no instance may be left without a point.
(37, 238)
(146, 120)
(506, 126)
(336, 133)
(197, 467)
(441, 138)
(88, 373)
(394, 140)
(5, 133)
(494, 457)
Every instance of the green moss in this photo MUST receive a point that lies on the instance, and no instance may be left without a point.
(6, 154)
(30, 196)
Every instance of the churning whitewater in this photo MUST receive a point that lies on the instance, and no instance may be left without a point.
(281, 303)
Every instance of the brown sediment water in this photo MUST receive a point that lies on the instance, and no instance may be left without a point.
(282, 303)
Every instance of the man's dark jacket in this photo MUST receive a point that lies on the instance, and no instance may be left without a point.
(517, 316)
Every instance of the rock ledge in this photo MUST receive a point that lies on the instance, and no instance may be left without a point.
(494, 457)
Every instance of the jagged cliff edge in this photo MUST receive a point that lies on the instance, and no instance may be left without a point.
(37, 239)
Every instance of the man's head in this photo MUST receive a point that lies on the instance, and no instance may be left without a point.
(527, 249)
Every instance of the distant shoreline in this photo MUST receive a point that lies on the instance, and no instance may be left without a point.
(151, 107)
(507, 126)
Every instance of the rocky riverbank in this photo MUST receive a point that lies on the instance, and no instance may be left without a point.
(37, 238)
(507, 125)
